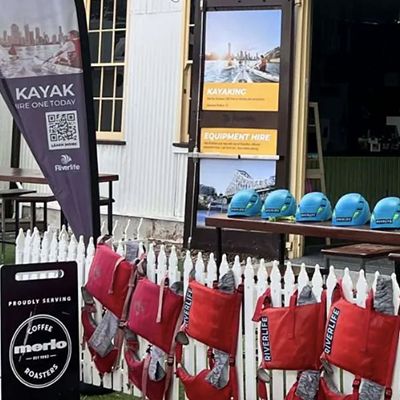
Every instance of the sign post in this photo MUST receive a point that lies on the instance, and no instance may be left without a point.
(39, 331)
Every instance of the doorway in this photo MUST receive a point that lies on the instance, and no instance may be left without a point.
(355, 79)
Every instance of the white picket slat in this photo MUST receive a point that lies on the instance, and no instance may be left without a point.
(302, 280)
(200, 348)
(289, 286)
(151, 263)
(211, 271)
(189, 350)
(173, 270)
(161, 264)
(262, 285)
(317, 283)
(224, 267)
(45, 248)
(250, 338)
(289, 289)
(27, 247)
(120, 248)
(278, 380)
(19, 247)
(35, 246)
(237, 270)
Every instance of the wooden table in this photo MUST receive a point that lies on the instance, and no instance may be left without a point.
(362, 234)
(35, 176)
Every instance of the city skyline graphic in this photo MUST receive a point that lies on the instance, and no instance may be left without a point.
(24, 36)
(31, 27)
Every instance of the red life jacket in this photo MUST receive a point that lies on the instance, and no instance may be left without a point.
(111, 282)
(362, 340)
(324, 393)
(291, 338)
(155, 314)
(211, 317)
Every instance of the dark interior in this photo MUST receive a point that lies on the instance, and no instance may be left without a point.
(355, 79)
(355, 75)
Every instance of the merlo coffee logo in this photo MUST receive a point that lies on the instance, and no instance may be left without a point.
(40, 351)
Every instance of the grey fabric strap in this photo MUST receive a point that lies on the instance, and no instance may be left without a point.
(383, 303)
(157, 359)
(102, 339)
(131, 250)
(308, 382)
(306, 296)
(156, 371)
(219, 375)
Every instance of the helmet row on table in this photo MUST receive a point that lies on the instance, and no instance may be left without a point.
(351, 209)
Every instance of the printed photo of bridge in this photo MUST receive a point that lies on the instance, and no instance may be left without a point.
(220, 180)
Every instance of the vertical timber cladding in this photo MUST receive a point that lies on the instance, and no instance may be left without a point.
(262, 112)
(40, 350)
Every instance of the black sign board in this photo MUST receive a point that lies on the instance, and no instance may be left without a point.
(39, 331)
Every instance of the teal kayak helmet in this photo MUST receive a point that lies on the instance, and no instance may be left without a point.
(386, 214)
(279, 203)
(351, 210)
(314, 207)
(246, 203)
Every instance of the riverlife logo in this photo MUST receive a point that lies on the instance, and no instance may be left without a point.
(381, 221)
(65, 159)
(188, 305)
(40, 351)
(66, 165)
(265, 341)
(330, 330)
(344, 219)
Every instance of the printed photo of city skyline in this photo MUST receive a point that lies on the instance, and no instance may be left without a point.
(36, 27)
(17, 36)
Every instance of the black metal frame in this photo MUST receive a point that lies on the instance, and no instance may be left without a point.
(253, 243)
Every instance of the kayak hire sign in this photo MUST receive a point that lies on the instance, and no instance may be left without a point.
(45, 81)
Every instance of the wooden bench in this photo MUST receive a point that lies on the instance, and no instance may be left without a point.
(361, 251)
(33, 199)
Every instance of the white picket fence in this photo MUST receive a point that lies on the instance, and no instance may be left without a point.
(257, 277)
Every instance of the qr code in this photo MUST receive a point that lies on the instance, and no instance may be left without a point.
(62, 130)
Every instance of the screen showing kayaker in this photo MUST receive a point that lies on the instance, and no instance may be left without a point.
(242, 55)
(262, 66)
(44, 44)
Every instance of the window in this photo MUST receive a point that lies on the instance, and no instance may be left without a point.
(187, 69)
(107, 26)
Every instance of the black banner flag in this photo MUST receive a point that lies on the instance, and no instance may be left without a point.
(46, 83)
